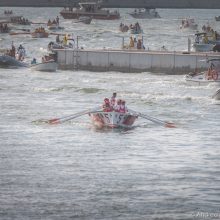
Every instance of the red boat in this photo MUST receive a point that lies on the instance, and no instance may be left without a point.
(89, 9)
(113, 119)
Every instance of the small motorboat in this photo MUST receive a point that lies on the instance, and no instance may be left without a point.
(47, 66)
(189, 23)
(84, 19)
(216, 95)
(113, 119)
(202, 43)
(145, 13)
(212, 75)
(217, 18)
(9, 61)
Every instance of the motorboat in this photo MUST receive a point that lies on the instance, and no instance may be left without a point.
(216, 95)
(9, 61)
(202, 43)
(212, 75)
(189, 23)
(89, 9)
(85, 19)
(145, 13)
(217, 18)
(202, 47)
(113, 119)
(47, 66)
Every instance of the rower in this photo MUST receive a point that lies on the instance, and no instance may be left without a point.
(113, 99)
(118, 105)
(106, 105)
(123, 108)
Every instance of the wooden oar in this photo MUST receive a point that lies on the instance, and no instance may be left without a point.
(70, 117)
(38, 23)
(52, 33)
(155, 120)
(17, 33)
(21, 29)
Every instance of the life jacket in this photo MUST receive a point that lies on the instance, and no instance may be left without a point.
(122, 109)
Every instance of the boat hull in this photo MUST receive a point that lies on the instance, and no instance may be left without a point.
(75, 15)
(50, 66)
(8, 61)
(200, 79)
(203, 47)
(40, 35)
(113, 119)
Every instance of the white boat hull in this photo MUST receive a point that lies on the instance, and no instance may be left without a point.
(113, 119)
(203, 47)
(50, 66)
(201, 79)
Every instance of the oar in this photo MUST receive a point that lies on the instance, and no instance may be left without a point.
(70, 117)
(22, 29)
(155, 120)
(16, 33)
(216, 93)
(38, 23)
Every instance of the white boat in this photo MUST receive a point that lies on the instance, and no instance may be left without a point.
(9, 61)
(202, 47)
(189, 23)
(212, 75)
(216, 96)
(113, 119)
(85, 19)
(48, 66)
(202, 42)
(145, 13)
(90, 9)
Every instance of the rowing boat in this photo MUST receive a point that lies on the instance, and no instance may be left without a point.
(113, 119)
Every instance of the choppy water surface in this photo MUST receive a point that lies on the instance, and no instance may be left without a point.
(73, 171)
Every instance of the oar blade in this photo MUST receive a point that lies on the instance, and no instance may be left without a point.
(170, 125)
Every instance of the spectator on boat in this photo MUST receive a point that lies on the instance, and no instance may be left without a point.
(65, 39)
(13, 50)
(49, 23)
(205, 39)
(58, 38)
(135, 43)
(34, 61)
(106, 105)
(197, 39)
(131, 44)
(57, 20)
(113, 99)
(139, 44)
